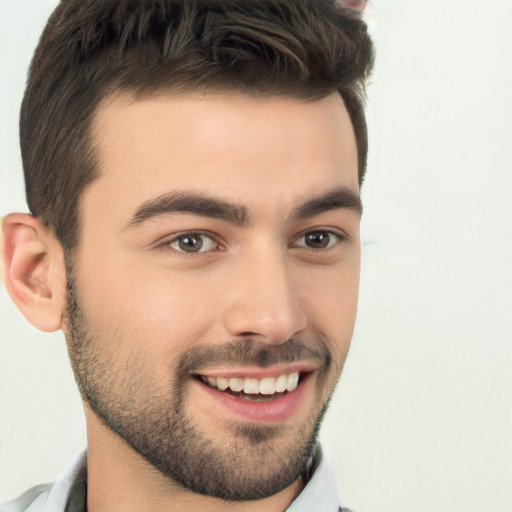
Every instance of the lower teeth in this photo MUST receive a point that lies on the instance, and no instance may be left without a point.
(256, 398)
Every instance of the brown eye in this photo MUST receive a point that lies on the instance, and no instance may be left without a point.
(317, 239)
(192, 243)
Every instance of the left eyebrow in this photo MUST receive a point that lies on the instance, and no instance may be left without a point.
(341, 198)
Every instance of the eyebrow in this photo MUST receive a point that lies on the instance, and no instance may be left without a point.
(190, 202)
(204, 205)
(341, 198)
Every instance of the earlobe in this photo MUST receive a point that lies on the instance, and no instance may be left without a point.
(34, 270)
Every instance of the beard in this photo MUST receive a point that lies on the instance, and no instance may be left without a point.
(251, 462)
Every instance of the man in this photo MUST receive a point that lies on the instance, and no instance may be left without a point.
(193, 170)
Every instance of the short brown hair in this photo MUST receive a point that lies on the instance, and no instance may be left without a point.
(92, 48)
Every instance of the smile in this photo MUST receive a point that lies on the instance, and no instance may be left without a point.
(250, 388)
(262, 395)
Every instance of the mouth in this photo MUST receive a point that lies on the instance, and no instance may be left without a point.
(270, 396)
(254, 389)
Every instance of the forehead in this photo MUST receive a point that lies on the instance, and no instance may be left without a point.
(235, 145)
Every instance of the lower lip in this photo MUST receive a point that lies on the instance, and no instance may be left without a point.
(276, 410)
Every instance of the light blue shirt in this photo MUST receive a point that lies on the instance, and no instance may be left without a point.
(68, 493)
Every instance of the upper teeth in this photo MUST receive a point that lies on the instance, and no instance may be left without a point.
(266, 386)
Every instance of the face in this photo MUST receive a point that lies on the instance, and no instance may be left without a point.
(213, 294)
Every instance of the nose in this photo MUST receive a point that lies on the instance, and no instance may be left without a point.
(263, 301)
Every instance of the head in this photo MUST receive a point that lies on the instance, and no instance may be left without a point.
(193, 167)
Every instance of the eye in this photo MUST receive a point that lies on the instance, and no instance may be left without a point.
(192, 243)
(318, 239)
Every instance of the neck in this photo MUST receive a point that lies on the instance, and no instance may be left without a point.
(121, 480)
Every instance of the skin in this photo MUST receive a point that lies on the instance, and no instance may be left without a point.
(146, 305)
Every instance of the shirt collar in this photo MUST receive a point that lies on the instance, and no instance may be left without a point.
(68, 493)
(320, 493)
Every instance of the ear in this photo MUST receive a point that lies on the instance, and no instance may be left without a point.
(34, 270)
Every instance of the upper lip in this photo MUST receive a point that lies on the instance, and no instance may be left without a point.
(255, 372)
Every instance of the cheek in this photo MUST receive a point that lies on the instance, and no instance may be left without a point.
(330, 300)
(332, 313)
(342, 307)
(162, 313)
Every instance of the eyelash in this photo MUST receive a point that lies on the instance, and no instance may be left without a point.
(190, 234)
(335, 238)
(216, 246)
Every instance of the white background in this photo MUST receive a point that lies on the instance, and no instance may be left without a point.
(422, 420)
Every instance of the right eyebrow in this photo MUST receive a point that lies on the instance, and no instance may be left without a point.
(190, 202)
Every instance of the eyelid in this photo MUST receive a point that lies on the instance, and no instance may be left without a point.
(166, 241)
(340, 235)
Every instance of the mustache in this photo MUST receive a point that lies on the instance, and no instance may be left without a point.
(249, 352)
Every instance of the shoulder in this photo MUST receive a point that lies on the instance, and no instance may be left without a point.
(30, 501)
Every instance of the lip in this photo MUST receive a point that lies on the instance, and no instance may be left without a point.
(302, 368)
(272, 411)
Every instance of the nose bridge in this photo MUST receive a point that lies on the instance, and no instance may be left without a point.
(264, 301)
